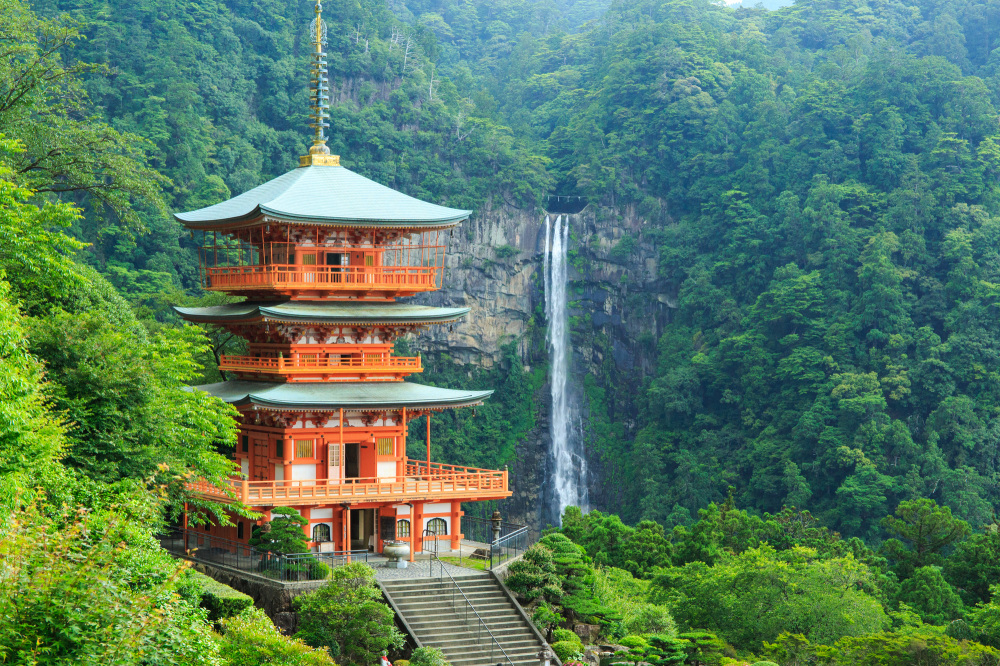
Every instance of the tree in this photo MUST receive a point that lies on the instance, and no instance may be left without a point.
(93, 588)
(347, 617)
(282, 534)
(755, 596)
(928, 593)
(923, 530)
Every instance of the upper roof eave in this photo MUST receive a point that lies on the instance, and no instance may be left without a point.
(328, 196)
(261, 215)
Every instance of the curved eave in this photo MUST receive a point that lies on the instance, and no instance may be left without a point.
(348, 395)
(262, 315)
(264, 215)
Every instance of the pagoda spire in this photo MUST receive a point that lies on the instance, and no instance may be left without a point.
(319, 152)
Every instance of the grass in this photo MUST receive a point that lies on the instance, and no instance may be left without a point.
(467, 562)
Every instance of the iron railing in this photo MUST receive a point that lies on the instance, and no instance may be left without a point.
(512, 540)
(237, 555)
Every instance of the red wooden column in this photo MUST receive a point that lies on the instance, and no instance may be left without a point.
(417, 528)
(428, 445)
(287, 456)
(347, 531)
(307, 514)
(456, 525)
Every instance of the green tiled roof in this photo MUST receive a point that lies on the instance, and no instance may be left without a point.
(326, 195)
(356, 395)
(316, 312)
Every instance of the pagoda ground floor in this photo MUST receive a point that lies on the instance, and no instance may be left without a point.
(360, 527)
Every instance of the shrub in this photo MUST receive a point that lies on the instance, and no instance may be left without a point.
(505, 251)
(634, 642)
(565, 635)
(427, 656)
(218, 599)
(249, 639)
(347, 617)
(566, 650)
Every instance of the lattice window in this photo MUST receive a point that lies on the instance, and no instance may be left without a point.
(385, 446)
(246, 443)
(321, 532)
(303, 448)
(437, 526)
(402, 528)
(335, 455)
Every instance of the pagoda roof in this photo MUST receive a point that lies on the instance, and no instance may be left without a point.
(325, 196)
(310, 312)
(348, 395)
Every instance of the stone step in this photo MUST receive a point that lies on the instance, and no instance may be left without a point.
(503, 623)
(439, 616)
(437, 606)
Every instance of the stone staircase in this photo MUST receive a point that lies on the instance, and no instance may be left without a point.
(426, 606)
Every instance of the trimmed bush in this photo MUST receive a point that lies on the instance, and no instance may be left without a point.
(220, 600)
(565, 635)
(566, 650)
(427, 656)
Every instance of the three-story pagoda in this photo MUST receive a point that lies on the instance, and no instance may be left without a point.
(321, 255)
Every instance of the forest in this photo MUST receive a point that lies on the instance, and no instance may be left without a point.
(816, 427)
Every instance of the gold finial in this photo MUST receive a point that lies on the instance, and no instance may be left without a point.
(319, 152)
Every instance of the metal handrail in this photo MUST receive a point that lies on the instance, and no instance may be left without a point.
(455, 586)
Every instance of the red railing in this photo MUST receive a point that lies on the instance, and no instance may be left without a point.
(347, 278)
(334, 365)
(437, 485)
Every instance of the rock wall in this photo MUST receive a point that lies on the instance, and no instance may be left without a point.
(619, 306)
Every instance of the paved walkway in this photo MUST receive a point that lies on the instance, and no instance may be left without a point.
(422, 569)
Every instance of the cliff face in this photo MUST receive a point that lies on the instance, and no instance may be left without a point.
(619, 305)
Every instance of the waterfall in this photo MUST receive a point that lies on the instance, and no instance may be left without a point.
(567, 477)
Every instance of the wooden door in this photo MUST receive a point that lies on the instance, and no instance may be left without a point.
(261, 471)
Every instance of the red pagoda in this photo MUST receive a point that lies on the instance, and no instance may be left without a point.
(322, 256)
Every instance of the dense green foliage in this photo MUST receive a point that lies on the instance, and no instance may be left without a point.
(348, 617)
(820, 183)
(249, 639)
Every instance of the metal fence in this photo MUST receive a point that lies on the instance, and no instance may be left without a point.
(237, 555)
(513, 539)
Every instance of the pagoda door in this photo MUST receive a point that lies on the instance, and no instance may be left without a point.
(308, 266)
(260, 466)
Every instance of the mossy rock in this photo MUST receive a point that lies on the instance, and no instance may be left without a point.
(219, 599)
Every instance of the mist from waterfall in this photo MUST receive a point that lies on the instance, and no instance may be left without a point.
(568, 472)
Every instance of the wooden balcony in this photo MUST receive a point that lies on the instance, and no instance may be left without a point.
(439, 482)
(384, 281)
(326, 367)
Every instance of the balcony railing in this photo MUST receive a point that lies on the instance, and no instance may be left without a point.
(323, 278)
(435, 483)
(332, 365)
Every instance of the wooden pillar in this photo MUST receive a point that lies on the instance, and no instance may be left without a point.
(287, 455)
(185, 524)
(401, 455)
(307, 514)
(340, 423)
(417, 526)
(428, 445)
(347, 531)
(456, 525)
